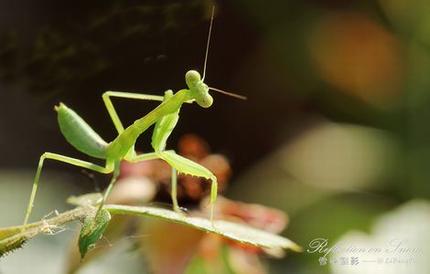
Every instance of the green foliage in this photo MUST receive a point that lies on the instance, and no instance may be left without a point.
(94, 226)
(198, 264)
(235, 231)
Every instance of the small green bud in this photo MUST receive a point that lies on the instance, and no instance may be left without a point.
(92, 230)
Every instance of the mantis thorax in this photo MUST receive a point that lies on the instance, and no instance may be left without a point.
(198, 89)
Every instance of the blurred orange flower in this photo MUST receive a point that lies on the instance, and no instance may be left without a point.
(358, 56)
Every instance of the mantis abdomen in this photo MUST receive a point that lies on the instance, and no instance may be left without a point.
(79, 134)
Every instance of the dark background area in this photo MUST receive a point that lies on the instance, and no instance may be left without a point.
(72, 54)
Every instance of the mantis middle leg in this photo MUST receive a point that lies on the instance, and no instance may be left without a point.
(174, 181)
(128, 95)
(65, 159)
(111, 109)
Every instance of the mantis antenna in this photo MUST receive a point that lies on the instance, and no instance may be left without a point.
(208, 42)
(228, 93)
(206, 61)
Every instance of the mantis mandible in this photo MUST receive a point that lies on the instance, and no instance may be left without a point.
(165, 117)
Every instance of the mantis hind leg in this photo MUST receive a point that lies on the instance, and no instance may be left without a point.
(61, 158)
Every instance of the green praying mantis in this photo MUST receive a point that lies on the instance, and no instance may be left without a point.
(164, 118)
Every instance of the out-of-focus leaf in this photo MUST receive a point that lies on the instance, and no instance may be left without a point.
(199, 265)
(86, 199)
(196, 266)
(402, 237)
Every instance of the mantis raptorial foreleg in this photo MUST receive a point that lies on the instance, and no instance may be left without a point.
(174, 181)
(188, 167)
(182, 165)
(65, 159)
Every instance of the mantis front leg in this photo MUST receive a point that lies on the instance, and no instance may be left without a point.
(188, 167)
(183, 165)
(116, 171)
(174, 181)
(65, 159)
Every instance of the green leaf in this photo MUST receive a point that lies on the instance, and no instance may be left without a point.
(94, 227)
(92, 230)
(238, 232)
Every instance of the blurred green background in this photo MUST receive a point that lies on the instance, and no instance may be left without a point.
(334, 132)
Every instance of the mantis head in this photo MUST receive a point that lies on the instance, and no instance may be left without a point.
(198, 89)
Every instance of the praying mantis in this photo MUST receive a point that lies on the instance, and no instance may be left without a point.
(164, 118)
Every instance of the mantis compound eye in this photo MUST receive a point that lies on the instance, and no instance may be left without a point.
(192, 77)
(201, 95)
(205, 101)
